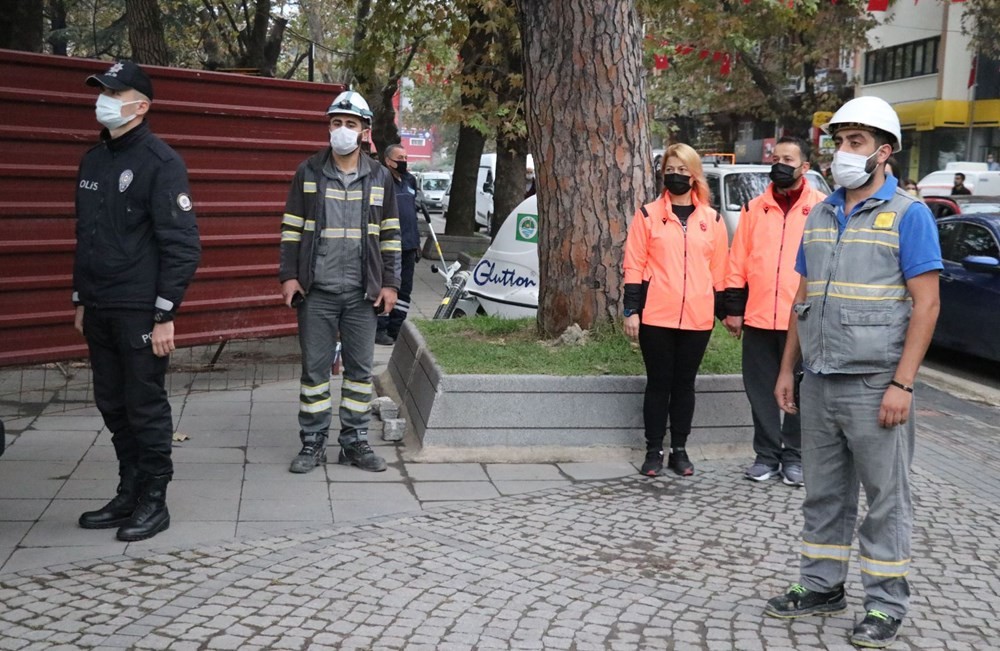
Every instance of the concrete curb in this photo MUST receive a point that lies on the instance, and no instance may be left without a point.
(544, 418)
(959, 387)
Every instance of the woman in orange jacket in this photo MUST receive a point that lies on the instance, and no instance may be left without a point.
(675, 263)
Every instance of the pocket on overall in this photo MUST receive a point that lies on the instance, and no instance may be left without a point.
(867, 331)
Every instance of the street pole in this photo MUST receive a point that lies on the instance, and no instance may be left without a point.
(972, 107)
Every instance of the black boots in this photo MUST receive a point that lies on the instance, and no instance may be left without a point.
(118, 511)
(151, 515)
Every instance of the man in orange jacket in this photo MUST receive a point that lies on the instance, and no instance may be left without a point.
(760, 285)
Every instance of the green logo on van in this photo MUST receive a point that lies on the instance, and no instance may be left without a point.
(527, 228)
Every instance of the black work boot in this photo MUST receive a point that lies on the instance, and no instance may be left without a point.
(800, 602)
(360, 454)
(116, 512)
(876, 631)
(151, 516)
(313, 453)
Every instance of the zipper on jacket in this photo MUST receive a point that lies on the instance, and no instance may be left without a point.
(777, 275)
(680, 318)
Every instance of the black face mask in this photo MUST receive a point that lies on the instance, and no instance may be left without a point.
(677, 184)
(401, 166)
(783, 176)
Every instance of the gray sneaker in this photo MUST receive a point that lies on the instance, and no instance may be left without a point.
(792, 474)
(761, 472)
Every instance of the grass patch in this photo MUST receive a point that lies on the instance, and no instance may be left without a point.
(492, 346)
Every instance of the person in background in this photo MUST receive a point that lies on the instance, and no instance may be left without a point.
(137, 249)
(339, 267)
(959, 187)
(675, 266)
(760, 285)
(405, 186)
(991, 163)
(911, 187)
(861, 321)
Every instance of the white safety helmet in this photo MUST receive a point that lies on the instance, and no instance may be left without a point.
(867, 112)
(351, 103)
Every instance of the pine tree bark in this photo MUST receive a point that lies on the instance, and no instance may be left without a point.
(588, 131)
(145, 33)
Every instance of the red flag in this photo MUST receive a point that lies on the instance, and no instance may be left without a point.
(878, 5)
(972, 73)
(660, 62)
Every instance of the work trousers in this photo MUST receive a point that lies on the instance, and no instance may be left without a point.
(393, 322)
(843, 447)
(129, 387)
(322, 316)
(672, 357)
(777, 438)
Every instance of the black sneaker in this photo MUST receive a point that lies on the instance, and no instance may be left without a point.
(800, 602)
(383, 338)
(311, 455)
(653, 465)
(876, 631)
(678, 461)
(360, 454)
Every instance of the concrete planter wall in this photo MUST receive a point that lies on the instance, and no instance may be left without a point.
(546, 418)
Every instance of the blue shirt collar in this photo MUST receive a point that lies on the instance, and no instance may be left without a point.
(839, 196)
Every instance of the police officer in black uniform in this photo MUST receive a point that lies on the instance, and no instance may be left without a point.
(137, 248)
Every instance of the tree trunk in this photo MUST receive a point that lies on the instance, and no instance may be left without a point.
(510, 186)
(21, 28)
(461, 216)
(145, 33)
(588, 131)
(512, 141)
(384, 129)
(57, 27)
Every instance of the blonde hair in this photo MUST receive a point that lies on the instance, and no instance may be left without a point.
(692, 161)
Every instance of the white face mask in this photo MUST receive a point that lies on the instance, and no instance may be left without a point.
(343, 140)
(851, 170)
(109, 111)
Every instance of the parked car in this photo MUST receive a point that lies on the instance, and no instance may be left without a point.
(961, 205)
(970, 285)
(431, 187)
(731, 186)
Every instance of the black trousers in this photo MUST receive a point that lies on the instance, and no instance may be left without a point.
(672, 358)
(129, 387)
(393, 323)
(776, 439)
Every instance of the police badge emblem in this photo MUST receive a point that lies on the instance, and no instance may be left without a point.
(184, 201)
(124, 180)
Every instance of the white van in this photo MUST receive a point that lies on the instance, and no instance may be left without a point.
(431, 187)
(978, 180)
(484, 188)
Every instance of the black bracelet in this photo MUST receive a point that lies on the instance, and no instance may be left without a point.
(900, 385)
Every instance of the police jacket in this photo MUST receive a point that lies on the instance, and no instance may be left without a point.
(304, 218)
(137, 244)
(680, 266)
(406, 201)
(761, 281)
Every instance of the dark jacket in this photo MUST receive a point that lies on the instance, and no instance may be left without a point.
(305, 217)
(137, 244)
(406, 201)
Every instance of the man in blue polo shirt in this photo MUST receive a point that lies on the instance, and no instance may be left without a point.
(862, 319)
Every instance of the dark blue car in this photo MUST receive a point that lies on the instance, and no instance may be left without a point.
(970, 285)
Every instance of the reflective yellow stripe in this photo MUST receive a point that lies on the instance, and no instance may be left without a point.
(316, 407)
(334, 193)
(354, 405)
(888, 569)
(319, 389)
(341, 233)
(309, 186)
(291, 236)
(292, 220)
(865, 285)
(389, 246)
(374, 229)
(840, 553)
(872, 230)
(816, 240)
(390, 224)
(859, 298)
(358, 387)
(310, 225)
(860, 241)
(819, 230)
(354, 195)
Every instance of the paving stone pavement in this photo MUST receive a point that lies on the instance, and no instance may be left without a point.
(456, 556)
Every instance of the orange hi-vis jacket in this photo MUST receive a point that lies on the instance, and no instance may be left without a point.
(680, 267)
(762, 257)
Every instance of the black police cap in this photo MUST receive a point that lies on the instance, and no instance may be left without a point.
(123, 75)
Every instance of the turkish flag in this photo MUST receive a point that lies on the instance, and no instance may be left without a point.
(660, 62)
(878, 5)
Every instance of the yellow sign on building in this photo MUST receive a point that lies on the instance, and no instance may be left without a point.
(821, 117)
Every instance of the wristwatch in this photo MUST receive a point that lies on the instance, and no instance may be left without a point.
(162, 316)
(627, 312)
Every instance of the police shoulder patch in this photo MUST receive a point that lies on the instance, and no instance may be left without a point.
(184, 202)
(884, 221)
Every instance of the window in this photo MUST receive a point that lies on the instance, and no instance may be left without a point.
(975, 240)
(417, 142)
(713, 191)
(946, 233)
(902, 61)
